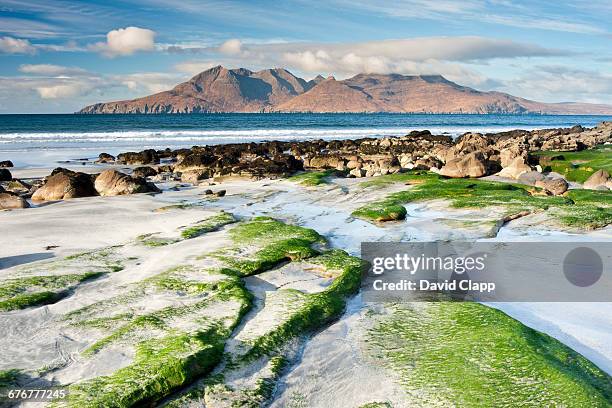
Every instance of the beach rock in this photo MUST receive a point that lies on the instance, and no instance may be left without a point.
(220, 193)
(195, 161)
(470, 165)
(113, 183)
(515, 169)
(18, 187)
(556, 186)
(6, 163)
(531, 177)
(148, 156)
(208, 191)
(194, 176)
(357, 173)
(599, 178)
(507, 156)
(105, 158)
(144, 171)
(63, 184)
(12, 201)
(5, 175)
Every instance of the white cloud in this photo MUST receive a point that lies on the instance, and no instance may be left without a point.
(10, 45)
(126, 41)
(50, 69)
(309, 61)
(231, 47)
(559, 83)
(66, 90)
(148, 82)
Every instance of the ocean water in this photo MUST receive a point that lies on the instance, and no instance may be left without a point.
(41, 140)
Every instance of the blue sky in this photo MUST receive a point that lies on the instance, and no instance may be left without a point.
(58, 55)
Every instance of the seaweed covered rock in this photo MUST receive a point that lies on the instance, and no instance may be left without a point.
(112, 183)
(148, 156)
(5, 175)
(64, 184)
(144, 172)
(105, 158)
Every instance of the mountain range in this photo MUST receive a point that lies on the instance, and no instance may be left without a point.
(219, 89)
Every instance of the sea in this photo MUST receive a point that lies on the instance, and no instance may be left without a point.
(44, 140)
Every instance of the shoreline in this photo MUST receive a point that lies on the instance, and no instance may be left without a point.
(306, 186)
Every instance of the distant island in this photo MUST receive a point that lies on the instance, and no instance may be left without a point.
(219, 89)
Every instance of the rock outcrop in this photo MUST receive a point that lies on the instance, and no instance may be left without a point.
(6, 163)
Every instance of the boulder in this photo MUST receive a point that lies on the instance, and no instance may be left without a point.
(5, 175)
(194, 176)
(6, 163)
(64, 184)
(470, 165)
(105, 158)
(220, 193)
(507, 156)
(148, 156)
(196, 161)
(18, 186)
(515, 169)
(11, 201)
(599, 178)
(556, 186)
(144, 171)
(112, 183)
(531, 177)
(357, 172)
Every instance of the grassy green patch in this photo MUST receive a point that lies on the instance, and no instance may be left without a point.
(579, 209)
(467, 354)
(208, 225)
(408, 177)
(578, 166)
(313, 178)
(20, 293)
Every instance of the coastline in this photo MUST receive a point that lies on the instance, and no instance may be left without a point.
(327, 207)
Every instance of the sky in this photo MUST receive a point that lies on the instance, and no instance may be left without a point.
(57, 56)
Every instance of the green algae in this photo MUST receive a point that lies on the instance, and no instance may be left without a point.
(408, 177)
(468, 354)
(166, 363)
(20, 293)
(273, 241)
(577, 209)
(208, 225)
(578, 166)
(313, 178)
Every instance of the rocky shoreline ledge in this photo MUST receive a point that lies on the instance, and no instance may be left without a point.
(510, 156)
